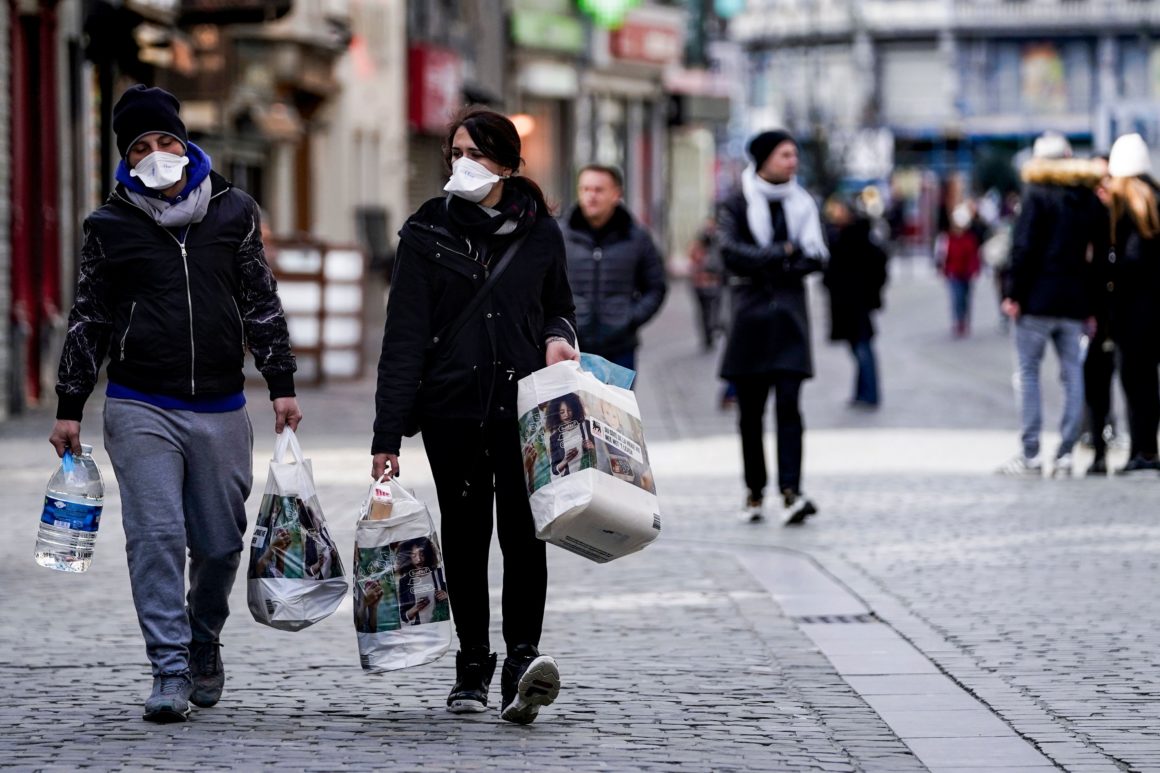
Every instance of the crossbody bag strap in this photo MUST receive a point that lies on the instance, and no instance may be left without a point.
(448, 334)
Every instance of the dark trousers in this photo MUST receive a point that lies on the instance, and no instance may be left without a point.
(752, 393)
(1098, 368)
(708, 302)
(1138, 373)
(866, 379)
(473, 468)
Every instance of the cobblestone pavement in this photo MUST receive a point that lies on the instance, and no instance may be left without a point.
(1036, 597)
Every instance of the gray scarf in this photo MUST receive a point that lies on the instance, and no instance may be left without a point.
(166, 214)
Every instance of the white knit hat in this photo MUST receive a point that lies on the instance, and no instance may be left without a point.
(1129, 157)
(1051, 145)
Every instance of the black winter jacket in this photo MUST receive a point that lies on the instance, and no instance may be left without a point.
(770, 331)
(855, 277)
(1061, 223)
(474, 377)
(177, 307)
(1134, 279)
(618, 280)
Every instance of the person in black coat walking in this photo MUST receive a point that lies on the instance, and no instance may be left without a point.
(855, 276)
(459, 388)
(616, 271)
(1134, 271)
(771, 238)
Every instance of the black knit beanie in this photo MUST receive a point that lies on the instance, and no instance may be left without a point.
(763, 144)
(142, 110)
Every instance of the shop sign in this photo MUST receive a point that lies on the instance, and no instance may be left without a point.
(647, 41)
(436, 87)
(548, 31)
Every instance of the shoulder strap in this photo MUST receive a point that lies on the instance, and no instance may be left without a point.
(448, 334)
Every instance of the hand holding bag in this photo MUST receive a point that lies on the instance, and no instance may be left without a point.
(295, 575)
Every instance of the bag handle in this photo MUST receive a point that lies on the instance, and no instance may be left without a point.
(287, 442)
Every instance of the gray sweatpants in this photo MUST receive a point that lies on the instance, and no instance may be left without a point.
(184, 478)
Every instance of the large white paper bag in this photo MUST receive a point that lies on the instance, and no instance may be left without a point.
(586, 464)
(295, 575)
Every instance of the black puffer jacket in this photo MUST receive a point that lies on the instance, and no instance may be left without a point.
(855, 277)
(1134, 280)
(177, 307)
(770, 331)
(475, 376)
(618, 280)
(1061, 223)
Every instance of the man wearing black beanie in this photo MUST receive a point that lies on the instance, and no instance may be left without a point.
(770, 239)
(175, 296)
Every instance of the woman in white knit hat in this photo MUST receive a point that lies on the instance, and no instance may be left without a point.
(1134, 269)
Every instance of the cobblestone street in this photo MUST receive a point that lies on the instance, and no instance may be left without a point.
(933, 616)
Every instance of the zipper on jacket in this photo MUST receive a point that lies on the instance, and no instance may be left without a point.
(242, 323)
(597, 256)
(443, 246)
(128, 325)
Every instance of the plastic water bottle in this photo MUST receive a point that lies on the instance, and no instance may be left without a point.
(72, 512)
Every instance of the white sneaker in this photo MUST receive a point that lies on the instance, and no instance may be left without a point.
(797, 508)
(1021, 466)
(1062, 468)
(753, 512)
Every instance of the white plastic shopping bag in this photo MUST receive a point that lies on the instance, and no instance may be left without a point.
(402, 614)
(295, 577)
(586, 464)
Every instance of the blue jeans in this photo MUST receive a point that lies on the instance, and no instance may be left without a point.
(960, 300)
(1031, 336)
(866, 379)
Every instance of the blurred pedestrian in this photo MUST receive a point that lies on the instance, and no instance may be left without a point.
(1135, 278)
(960, 265)
(616, 271)
(707, 276)
(855, 276)
(454, 377)
(771, 238)
(1049, 290)
(174, 279)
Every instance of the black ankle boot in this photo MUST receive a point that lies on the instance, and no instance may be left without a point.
(473, 672)
(528, 682)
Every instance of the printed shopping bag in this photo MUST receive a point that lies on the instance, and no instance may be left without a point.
(586, 464)
(402, 614)
(295, 576)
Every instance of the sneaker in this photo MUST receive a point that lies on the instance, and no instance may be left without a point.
(797, 508)
(529, 680)
(209, 675)
(473, 672)
(1139, 464)
(1062, 467)
(169, 701)
(753, 511)
(1020, 465)
(1098, 467)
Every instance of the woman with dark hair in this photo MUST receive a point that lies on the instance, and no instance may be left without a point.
(569, 435)
(490, 249)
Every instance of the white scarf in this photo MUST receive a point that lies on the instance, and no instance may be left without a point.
(801, 213)
(191, 209)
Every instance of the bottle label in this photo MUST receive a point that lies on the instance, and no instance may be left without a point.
(70, 515)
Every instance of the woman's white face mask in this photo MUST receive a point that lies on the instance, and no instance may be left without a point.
(160, 170)
(471, 180)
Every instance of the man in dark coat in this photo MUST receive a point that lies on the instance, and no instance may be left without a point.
(855, 277)
(771, 238)
(615, 269)
(1049, 290)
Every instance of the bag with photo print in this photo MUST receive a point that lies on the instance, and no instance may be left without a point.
(295, 576)
(586, 463)
(402, 614)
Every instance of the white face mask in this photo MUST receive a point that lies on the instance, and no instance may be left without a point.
(471, 180)
(160, 170)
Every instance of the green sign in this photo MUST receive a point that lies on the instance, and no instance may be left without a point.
(608, 13)
(535, 29)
